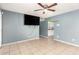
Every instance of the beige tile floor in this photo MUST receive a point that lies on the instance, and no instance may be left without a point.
(42, 46)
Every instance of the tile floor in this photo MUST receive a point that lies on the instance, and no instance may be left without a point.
(42, 46)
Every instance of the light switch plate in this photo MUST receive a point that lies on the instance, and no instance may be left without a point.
(57, 25)
(57, 36)
(73, 39)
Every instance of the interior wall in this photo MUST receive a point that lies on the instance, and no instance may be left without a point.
(67, 27)
(43, 27)
(14, 28)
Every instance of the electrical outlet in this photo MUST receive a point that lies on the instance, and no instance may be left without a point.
(57, 25)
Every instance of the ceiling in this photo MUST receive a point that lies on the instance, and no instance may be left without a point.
(28, 8)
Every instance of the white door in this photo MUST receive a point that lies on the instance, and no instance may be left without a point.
(0, 28)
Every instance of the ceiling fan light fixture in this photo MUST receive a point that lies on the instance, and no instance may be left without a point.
(46, 7)
(45, 10)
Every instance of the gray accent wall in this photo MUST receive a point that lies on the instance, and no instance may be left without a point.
(44, 28)
(68, 30)
(14, 28)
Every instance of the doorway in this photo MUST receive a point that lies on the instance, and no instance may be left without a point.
(50, 28)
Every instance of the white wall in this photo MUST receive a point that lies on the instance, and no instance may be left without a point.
(0, 27)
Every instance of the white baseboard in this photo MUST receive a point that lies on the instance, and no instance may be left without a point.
(0, 44)
(20, 41)
(67, 42)
(38, 38)
(43, 36)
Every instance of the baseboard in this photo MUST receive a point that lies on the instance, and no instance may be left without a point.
(67, 43)
(43, 36)
(0, 44)
(20, 41)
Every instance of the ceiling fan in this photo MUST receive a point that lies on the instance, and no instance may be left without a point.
(46, 7)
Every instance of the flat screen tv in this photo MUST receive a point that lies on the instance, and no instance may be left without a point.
(31, 20)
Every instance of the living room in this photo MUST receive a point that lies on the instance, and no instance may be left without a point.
(24, 28)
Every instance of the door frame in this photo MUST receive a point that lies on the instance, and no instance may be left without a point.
(50, 29)
(0, 28)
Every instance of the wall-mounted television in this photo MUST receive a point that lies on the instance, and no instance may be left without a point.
(31, 20)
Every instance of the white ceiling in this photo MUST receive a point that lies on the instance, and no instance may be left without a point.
(28, 8)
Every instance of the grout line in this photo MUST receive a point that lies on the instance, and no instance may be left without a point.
(19, 49)
(9, 50)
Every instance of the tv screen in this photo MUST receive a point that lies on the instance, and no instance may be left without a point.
(31, 20)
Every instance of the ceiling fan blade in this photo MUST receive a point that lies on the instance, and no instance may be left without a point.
(51, 10)
(41, 5)
(52, 5)
(38, 9)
